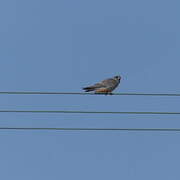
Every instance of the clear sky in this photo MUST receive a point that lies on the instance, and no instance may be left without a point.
(63, 45)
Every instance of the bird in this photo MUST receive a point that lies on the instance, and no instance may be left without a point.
(104, 87)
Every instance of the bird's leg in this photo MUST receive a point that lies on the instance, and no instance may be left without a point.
(108, 93)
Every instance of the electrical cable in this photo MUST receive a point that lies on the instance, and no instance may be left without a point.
(88, 112)
(83, 93)
(93, 129)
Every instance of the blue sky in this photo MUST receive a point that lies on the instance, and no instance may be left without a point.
(65, 45)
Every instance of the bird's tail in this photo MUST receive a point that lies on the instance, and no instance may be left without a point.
(90, 88)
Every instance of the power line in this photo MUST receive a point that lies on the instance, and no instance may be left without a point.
(88, 112)
(82, 93)
(92, 129)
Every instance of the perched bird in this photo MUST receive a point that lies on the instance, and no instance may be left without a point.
(104, 87)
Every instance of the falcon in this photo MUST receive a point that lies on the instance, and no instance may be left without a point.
(104, 87)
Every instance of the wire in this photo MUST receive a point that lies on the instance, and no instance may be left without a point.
(92, 129)
(87, 112)
(83, 93)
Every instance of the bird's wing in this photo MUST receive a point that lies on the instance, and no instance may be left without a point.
(109, 83)
(98, 85)
(93, 87)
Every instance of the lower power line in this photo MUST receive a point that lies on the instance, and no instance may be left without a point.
(91, 129)
(86, 112)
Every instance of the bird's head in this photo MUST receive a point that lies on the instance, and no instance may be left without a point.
(117, 78)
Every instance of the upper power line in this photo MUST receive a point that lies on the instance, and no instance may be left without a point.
(91, 129)
(88, 112)
(82, 93)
